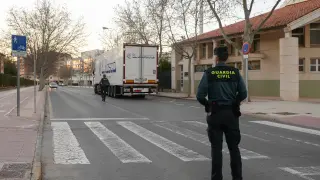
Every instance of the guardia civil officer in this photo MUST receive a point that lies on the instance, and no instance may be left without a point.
(104, 83)
(225, 89)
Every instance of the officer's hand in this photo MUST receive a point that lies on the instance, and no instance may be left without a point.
(207, 108)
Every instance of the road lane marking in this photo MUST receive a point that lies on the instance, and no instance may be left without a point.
(97, 119)
(245, 154)
(291, 139)
(12, 92)
(197, 124)
(289, 127)
(253, 137)
(66, 146)
(303, 172)
(185, 132)
(174, 149)
(195, 107)
(122, 109)
(124, 152)
(15, 107)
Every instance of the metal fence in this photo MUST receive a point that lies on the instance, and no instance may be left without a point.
(164, 80)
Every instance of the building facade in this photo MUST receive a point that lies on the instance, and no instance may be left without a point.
(284, 60)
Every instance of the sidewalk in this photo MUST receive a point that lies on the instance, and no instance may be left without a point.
(300, 113)
(18, 135)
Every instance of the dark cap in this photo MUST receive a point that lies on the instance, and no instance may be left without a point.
(221, 51)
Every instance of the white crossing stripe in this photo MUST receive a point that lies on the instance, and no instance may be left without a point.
(124, 152)
(176, 150)
(245, 154)
(97, 119)
(186, 133)
(197, 124)
(66, 148)
(303, 172)
(290, 127)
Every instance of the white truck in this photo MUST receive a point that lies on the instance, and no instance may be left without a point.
(131, 70)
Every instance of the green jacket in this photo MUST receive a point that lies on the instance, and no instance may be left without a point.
(222, 84)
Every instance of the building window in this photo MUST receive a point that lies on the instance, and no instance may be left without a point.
(237, 65)
(315, 33)
(201, 68)
(256, 43)
(299, 33)
(203, 51)
(231, 64)
(314, 64)
(210, 50)
(301, 64)
(254, 65)
(222, 43)
(231, 48)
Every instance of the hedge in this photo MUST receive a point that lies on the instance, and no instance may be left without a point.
(7, 80)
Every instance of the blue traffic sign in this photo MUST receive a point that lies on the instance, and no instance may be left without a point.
(245, 48)
(19, 43)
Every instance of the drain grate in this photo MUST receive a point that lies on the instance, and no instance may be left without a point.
(15, 170)
(285, 113)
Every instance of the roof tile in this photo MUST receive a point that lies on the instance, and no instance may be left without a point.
(280, 17)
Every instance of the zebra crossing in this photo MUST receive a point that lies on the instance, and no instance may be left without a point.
(67, 149)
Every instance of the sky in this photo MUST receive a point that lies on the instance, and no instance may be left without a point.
(98, 14)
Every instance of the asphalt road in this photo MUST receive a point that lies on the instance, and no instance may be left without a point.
(162, 139)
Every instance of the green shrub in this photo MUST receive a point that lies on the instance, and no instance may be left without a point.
(7, 80)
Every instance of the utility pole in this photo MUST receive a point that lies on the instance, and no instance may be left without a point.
(34, 80)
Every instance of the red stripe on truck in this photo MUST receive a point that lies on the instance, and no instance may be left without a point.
(157, 63)
(124, 62)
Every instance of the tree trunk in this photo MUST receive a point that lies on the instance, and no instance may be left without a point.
(189, 76)
(42, 80)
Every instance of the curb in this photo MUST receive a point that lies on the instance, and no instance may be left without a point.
(185, 98)
(262, 116)
(36, 171)
(249, 114)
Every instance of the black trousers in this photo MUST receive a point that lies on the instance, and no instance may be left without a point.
(104, 92)
(224, 121)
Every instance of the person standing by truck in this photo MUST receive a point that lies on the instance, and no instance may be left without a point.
(104, 83)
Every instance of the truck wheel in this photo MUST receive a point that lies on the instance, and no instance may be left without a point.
(114, 92)
(141, 96)
(95, 89)
(110, 91)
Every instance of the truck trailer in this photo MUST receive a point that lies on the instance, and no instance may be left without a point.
(131, 70)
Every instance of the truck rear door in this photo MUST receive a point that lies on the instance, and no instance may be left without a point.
(132, 60)
(149, 65)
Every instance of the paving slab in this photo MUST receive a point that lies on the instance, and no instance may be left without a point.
(18, 135)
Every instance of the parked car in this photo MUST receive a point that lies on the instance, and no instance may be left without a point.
(53, 85)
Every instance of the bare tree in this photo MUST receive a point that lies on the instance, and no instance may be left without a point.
(133, 21)
(249, 31)
(111, 39)
(183, 21)
(156, 10)
(49, 29)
